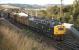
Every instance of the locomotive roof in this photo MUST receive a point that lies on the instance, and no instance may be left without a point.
(46, 22)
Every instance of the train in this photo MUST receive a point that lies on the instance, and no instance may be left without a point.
(51, 28)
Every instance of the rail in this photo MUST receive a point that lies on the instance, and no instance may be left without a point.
(72, 29)
(75, 32)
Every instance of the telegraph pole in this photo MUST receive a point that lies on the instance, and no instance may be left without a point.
(61, 8)
(61, 12)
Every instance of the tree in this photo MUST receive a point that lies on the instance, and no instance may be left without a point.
(75, 9)
(67, 17)
(68, 8)
(76, 13)
(52, 11)
(42, 14)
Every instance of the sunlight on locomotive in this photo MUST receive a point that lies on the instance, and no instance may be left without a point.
(59, 30)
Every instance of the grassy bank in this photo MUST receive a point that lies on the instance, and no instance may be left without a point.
(13, 39)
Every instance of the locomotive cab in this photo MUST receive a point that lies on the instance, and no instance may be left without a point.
(59, 30)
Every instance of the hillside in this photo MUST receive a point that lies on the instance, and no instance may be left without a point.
(29, 6)
(25, 6)
(8, 6)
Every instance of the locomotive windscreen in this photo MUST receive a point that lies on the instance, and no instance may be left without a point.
(60, 28)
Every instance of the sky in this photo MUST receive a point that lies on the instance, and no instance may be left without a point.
(39, 2)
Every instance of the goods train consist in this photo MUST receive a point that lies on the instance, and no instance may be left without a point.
(52, 28)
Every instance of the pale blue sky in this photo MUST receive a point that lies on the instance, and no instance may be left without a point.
(40, 2)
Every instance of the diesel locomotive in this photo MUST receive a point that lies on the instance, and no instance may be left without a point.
(51, 28)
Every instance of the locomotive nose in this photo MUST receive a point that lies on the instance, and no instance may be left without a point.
(59, 30)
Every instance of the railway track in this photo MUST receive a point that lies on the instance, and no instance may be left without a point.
(70, 42)
(66, 44)
(71, 45)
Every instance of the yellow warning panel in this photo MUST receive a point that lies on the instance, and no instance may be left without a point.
(59, 30)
